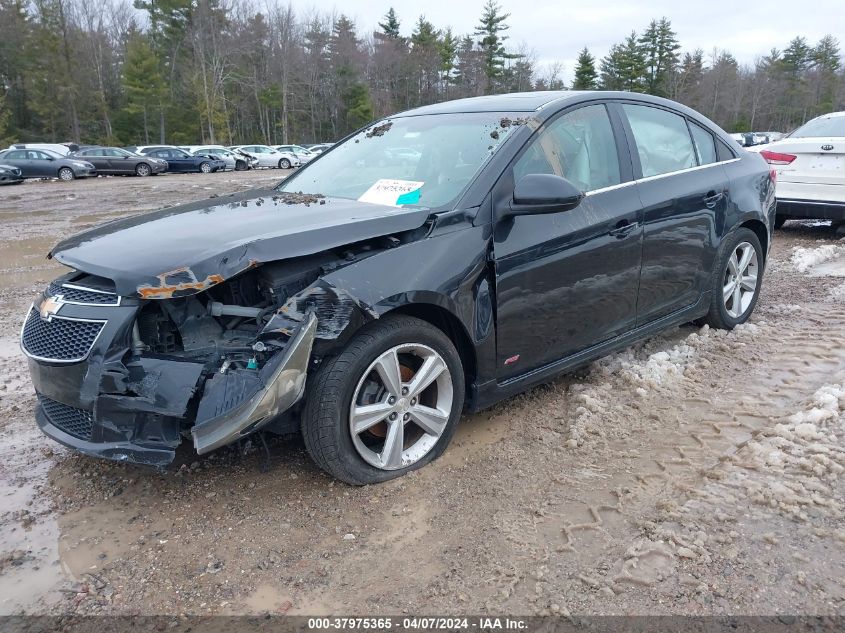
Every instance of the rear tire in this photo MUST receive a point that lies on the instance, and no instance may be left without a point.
(732, 299)
(354, 374)
(142, 169)
(66, 173)
(780, 220)
(284, 164)
(205, 168)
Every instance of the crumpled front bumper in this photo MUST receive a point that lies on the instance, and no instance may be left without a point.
(279, 385)
(121, 406)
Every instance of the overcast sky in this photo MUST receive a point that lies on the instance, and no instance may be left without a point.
(556, 30)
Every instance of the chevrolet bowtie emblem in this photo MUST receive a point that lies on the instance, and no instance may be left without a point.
(50, 306)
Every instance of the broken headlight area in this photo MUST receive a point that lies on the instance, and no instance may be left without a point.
(203, 366)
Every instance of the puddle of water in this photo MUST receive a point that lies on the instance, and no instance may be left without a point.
(29, 526)
(24, 262)
(268, 599)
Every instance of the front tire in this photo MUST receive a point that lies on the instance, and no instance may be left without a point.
(205, 168)
(735, 286)
(240, 165)
(387, 404)
(66, 173)
(284, 164)
(143, 170)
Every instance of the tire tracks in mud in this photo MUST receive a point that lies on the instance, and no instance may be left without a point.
(610, 528)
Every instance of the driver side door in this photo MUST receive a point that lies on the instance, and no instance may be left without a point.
(567, 281)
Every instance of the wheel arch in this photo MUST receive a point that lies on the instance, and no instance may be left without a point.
(759, 229)
(451, 326)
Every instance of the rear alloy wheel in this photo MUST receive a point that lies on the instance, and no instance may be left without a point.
(736, 283)
(205, 168)
(387, 404)
(284, 164)
(143, 170)
(66, 173)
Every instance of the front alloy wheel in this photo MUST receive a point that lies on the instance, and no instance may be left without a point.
(284, 164)
(66, 173)
(205, 168)
(401, 406)
(387, 404)
(143, 169)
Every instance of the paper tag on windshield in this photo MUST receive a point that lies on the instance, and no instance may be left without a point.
(393, 192)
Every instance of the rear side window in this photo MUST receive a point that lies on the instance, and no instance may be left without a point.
(579, 146)
(704, 144)
(663, 140)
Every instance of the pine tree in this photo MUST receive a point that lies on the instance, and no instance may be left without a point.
(624, 66)
(659, 47)
(390, 26)
(491, 29)
(359, 106)
(144, 86)
(448, 49)
(586, 77)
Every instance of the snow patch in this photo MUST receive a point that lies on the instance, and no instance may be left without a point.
(793, 467)
(806, 258)
(640, 369)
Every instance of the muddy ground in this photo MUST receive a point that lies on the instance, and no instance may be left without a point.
(700, 472)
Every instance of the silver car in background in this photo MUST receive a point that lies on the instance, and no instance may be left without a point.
(268, 156)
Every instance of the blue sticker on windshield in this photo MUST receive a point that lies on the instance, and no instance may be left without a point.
(412, 197)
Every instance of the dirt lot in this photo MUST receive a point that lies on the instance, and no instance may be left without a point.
(698, 473)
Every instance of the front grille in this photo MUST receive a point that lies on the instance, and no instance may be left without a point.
(60, 339)
(78, 294)
(76, 422)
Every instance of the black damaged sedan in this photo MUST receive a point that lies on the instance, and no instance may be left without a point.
(369, 300)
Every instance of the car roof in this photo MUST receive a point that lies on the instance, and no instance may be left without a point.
(512, 102)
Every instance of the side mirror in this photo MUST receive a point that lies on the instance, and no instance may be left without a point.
(543, 193)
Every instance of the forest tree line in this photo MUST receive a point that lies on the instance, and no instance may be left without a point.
(236, 71)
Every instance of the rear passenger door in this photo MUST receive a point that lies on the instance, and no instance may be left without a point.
(683, 189)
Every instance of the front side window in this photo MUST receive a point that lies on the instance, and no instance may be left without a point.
(663, 140)
(426, 160)
(578, 146)
(704, 144)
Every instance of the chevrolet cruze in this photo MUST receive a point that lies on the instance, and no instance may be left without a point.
(373, 296)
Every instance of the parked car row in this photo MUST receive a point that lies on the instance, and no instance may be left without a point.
(750, 139)
(70, 161)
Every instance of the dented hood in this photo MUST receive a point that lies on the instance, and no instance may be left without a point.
(185, 249)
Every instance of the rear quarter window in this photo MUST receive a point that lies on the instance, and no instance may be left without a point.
(705, 146)
(662, 138)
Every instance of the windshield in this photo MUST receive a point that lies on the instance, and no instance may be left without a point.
(424, 161)
(121, 152)
(825, 126)
(50, 152)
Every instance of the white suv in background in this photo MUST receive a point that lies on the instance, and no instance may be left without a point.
(269, 157)
(810, 166)
(300, 152)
